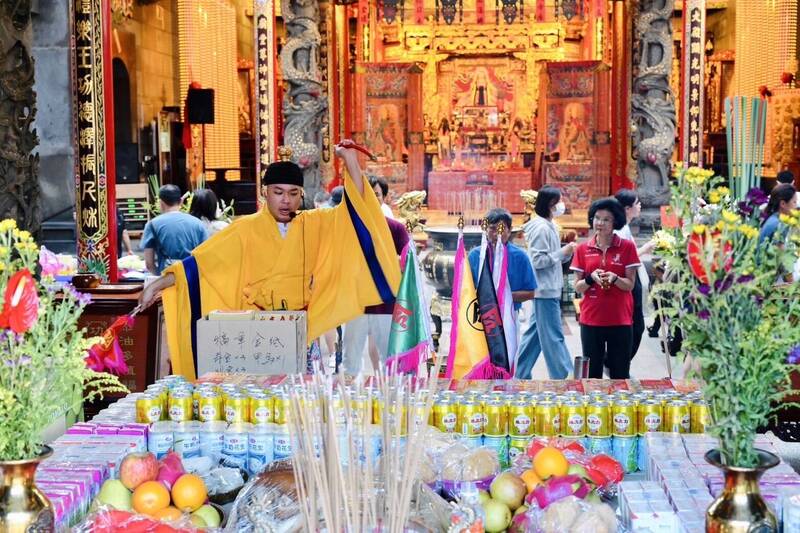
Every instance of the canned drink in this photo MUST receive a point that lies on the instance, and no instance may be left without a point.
(650, 416)
(282, 443)
(548, 419)
(398, 419)
(196, 404)
(624, 451)
(209, 406)
(445, 415)
(187, 439)
(148, 409)
(598, 445)
(598, 419)
(471, 442)
(212, 438)
(500, 447)
(160, 438)
(234, 445)
(521, 419)
(573, 419)
(495, 422)
(470, 418)
(180, 405)
(517, 447)
(281, 408)
(260, 447)
(677, 417)
(236, 408)
(700, 418)
(643, 457)
(261, 407)
(623, 418)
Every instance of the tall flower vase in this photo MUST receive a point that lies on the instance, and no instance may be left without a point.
(23, 507)
(740, 508)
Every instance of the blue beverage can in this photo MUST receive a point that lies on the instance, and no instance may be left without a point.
(624, 451)
(187, 439)
(471, 442)
(598, 445)
(234, 445)
(500, 447)
(260, 447)
(212, 439)
(642, 455)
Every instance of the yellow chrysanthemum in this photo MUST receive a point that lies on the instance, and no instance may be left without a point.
(748, 231)
(729, 216)
(723, 191)
(714, 197)
(699, 229)
(789, 220)
(719, 226)
(8, 224)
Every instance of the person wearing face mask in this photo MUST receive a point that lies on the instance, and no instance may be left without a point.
(330, 262)
(633, 208)
(605, 268)
(544, 332)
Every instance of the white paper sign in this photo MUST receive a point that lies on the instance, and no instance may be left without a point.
(274, 343)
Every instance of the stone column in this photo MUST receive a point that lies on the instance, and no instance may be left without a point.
(19, 183)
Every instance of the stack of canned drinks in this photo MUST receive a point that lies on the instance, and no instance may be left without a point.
(604, 423)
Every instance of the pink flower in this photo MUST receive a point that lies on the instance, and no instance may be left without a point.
(49, 262)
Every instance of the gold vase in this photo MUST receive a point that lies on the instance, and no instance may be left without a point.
(740, 508)
(23, 507)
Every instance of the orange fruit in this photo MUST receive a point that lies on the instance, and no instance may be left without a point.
(550, 462)
(531, 479)
(168, 513)
(189, 493)
(150, 497)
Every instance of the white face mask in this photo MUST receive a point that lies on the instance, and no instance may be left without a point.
(559, 209)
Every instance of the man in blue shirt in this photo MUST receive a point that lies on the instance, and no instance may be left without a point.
(172, 235)
(521, 279)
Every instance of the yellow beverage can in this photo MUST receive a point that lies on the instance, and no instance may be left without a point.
(236, 408)
(598, 419)
(470, 418)
(521, 419)
(649, 416)
(495, 423)
(262, 408)
(180, 406)
(209, 406)
(623, 418)
(397, 415)
(445, 414)
(281, 408)
(678, 417)
(148, 408)
(196, 404)
(573, 418)
(548, 419)
(700, 417)
(517, 446)
(417, 416)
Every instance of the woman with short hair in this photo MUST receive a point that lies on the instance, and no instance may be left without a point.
(605, 267)
(205, 207)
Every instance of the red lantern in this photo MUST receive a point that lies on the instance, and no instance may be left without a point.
(20, 303)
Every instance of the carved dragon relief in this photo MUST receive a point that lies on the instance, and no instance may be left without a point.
(19, 181)
(652, 101)
(305, 103)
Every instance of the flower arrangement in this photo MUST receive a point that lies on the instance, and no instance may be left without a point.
(42, 369)
(731, 297)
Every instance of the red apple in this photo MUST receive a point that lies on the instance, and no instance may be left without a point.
(137, 468)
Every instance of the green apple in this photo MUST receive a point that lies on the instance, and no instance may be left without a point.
(483, 496)
(498, 516)
(209, 515)
(577, 470)
(520, 510)
(197, 521)
(114, 494)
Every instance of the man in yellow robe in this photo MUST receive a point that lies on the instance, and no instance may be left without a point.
(330, 262)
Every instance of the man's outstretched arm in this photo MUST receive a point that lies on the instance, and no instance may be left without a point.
(349, 157)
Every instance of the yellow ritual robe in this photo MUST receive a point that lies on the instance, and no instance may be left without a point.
(332, 262)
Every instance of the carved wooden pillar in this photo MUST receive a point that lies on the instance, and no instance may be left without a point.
(692, 86)
(267, 103)
(93, 118)
(620, 96)
(416, 141)
(19, 180)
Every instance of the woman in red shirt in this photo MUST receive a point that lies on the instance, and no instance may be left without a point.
(606, 271)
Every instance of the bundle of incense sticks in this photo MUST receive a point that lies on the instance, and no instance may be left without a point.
(344, 483)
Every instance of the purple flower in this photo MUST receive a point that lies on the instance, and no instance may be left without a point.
(722, 285)
(83, 299)
(746, 278)
(756, 196)
(22, 361)
(794, 356)
(704, 289)
(745, 209)
(705, 314)
(49, 262)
